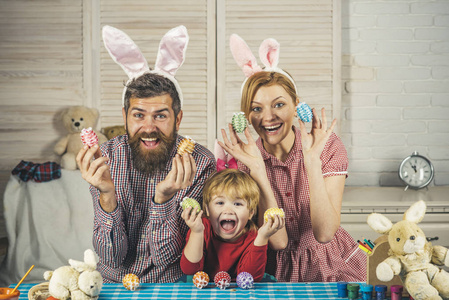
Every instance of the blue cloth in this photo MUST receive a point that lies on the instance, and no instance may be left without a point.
(47, 171)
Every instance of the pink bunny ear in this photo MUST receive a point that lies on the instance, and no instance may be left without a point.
(219, 152)
(172, 50)
(243, 56)
(124, 51)
(269, 53)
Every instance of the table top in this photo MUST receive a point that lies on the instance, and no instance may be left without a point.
(265, 290)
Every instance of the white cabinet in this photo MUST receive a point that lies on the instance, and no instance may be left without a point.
(359, 202)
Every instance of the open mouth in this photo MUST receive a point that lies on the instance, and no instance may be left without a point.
(273, 128)
(150, 142)
(227, 225)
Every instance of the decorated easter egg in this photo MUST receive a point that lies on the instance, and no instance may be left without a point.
(222, 280)
(239, 122)
(200, 279)
(245, 280)
(89, 137)
(190, 202)
(187, 144)
(269, 213)
(131, 282)
(304, 112)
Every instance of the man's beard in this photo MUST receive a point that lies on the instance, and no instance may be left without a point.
(151, 162)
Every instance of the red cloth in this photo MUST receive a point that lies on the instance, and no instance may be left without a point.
(239, 256)
(305, 259)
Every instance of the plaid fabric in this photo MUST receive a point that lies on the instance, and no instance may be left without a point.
(316, 290)
(47, 171)
(305, 259)
(140, 236)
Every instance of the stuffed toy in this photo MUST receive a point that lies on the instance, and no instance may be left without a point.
(79, 281)
(113, 131)
(75, 119)
(411, 256)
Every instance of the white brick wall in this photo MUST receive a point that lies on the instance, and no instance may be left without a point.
(395, 72)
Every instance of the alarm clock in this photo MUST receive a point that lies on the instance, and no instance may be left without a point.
(416, 171)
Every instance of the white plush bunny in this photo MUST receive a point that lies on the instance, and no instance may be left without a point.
(411, 257)
(79, 281)
(170, 56)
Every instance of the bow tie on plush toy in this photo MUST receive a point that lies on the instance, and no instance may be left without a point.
(224, 161)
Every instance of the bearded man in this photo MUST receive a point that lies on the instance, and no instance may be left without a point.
(138, 182)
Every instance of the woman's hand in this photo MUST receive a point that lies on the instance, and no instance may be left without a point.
(248, 154)
(313, 142)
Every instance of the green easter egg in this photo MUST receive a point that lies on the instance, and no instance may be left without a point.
(190, 202)
(239, 122)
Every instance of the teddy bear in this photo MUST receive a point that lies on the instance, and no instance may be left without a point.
(79, 281)
(113, 131)
(75, 119)
(411, 256)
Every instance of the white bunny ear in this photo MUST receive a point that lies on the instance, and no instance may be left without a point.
(269, 53)
(416, 212)
(379, 223)
(172, 50)
(124, 51)
(243, 55)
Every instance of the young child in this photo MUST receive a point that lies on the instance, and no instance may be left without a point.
(228, 240)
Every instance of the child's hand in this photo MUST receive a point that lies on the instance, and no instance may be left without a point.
(269, 228)
(193, 220)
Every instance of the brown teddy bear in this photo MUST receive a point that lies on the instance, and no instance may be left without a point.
(75, 119)
(113, 131)
(411, 256)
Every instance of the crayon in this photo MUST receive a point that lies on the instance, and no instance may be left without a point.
(371, 243)
(364, 249)
(368, 243)
(364, 245)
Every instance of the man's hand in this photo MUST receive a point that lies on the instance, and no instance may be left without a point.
(96, 172)
(180, 177)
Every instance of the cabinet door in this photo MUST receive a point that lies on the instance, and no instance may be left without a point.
(309, 35)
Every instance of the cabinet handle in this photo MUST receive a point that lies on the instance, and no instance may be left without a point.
(429, 239)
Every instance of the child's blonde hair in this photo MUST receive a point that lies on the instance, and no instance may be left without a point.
(236, 184)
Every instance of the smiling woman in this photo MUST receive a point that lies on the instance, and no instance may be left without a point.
(306, 171)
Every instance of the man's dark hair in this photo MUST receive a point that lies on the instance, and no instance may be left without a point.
(152, 85)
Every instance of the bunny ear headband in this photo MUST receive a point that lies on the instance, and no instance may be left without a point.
(224, 161)
(268, 53)
(170, 56)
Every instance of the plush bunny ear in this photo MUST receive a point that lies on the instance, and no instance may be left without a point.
(416, 212)
(124, 51)
(243, 56)
(379, 223)
(172, 50)
(269, 53)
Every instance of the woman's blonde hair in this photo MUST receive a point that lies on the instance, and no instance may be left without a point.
(235, 184)
(260, 79)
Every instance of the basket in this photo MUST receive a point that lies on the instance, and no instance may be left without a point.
(39, 292)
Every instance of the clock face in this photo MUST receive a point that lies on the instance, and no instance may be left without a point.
(416, 171)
